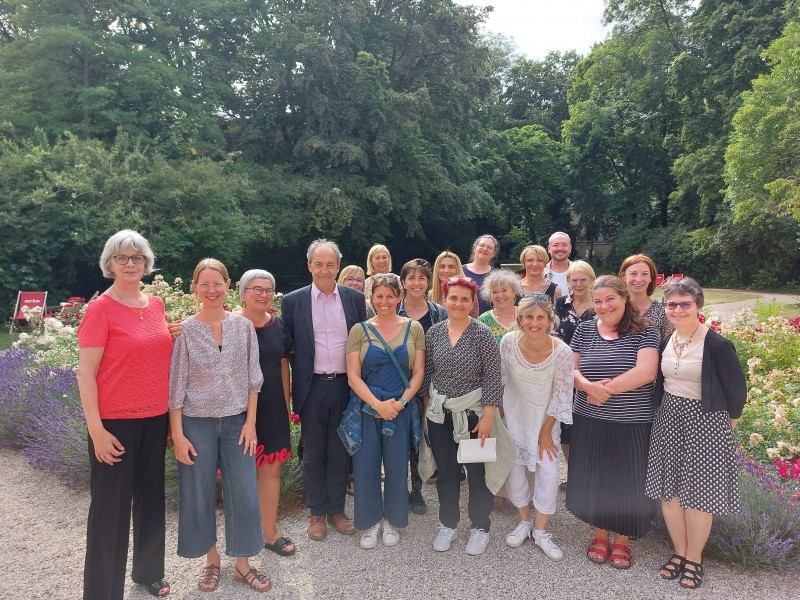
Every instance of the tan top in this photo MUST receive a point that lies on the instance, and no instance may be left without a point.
(689, 368)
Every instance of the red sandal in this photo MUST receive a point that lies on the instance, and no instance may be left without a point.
(622, 553)
(599, 546)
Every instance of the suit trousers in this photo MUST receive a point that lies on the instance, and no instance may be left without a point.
(324, 455)
(137, 481)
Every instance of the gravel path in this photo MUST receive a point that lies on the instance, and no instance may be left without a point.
(43, 543)
(728, 309)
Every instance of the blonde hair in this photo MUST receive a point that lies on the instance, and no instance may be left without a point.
(350, 271)
(436, 285)
(581, 266)
(372, 252)
(536, 249)
(530, 303)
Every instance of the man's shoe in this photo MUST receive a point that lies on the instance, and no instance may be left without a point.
(478, 540)
(342, 523)
(416, 503)
(317, 529)
(444, 538)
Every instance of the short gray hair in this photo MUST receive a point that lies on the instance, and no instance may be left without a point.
(248, 276)
(125, 240)
(320, 243)
(500, 277)
(559, 234)
(686, 286)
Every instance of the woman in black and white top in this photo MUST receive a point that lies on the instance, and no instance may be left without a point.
(616, 358)
(700, 392)
(462, 385)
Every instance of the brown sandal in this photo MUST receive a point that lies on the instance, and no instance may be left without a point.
(257, 581)
(209, 578)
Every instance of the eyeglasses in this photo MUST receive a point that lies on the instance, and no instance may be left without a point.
(384, 277)
(353, 280)
(258, 290)
(486, 247)
(122, 259)
(210, 286)
(685, 305)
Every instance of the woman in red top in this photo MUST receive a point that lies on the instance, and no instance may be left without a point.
(123, 378)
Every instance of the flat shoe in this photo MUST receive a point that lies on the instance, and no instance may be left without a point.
(621, 553)
(258, 582)
(691, 580)
(209, 578)
(155, 588)
(279, 546)
(599, 546)
(674, 566)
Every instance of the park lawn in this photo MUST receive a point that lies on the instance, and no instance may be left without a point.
(720, 296)
(6, 340)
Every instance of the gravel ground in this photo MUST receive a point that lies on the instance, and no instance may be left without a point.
(728, 309)
(44, 530)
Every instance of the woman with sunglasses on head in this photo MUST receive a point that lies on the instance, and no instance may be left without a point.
(534, 259)
(639, 274)
(214, 384)
(484, 250)
(537, 395)
(463, 391)
(123, 379)
(275, 345)
(352, 276)
(385, 367)
(416, 277)
(615, 359)
(501, 288)
(445, 266)
(700, 393)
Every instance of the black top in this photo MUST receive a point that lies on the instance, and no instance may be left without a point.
(568, 319)
(723, 384)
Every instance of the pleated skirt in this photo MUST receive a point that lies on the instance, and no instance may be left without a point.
(607, 472)
(693, 457)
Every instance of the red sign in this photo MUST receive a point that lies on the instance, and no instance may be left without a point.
(31, 300)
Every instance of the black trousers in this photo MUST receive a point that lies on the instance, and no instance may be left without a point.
(137, 481)
(445, 451)
(324, 455)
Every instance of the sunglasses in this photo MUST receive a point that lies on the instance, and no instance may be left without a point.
(685, 305)
(385, 277)
(538, 297)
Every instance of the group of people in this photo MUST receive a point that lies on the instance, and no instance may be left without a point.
(389, 375)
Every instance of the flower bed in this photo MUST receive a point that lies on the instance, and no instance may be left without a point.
(40, 410)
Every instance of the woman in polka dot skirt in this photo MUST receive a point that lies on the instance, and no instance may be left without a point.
(700, 391)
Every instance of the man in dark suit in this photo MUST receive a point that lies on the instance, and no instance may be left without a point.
(319, 317)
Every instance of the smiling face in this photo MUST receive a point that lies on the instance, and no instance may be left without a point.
(502, 296)
(535, 324)
(259, 294)
(609, 306)
(447, 269)
(416, 284)
(559, 248)
(380, 262)
(458, 302)
(210, 287)
(324, 266)
(579, 283)
(638, 277)
(129, 272)
(679, 315)
(534, 264)
(485, 249)
(385, 300)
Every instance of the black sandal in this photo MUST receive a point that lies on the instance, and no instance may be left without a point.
(673, 567)
(279, 546)
(154, 589)
(691, 580)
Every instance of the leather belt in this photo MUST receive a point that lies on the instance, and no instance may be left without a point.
(328, 376)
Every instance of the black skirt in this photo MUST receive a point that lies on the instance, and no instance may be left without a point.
(607, 471)
(693, 457)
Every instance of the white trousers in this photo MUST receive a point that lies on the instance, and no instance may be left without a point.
(545, 486)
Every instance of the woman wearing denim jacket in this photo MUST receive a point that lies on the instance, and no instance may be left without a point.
(214, 384)
(385, 383)
(416, 277)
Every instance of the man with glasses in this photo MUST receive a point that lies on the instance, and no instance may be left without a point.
(559, 247)
(319, 317)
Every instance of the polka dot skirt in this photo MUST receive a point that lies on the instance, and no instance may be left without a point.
(693, 456)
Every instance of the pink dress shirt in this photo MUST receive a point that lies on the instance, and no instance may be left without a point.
(330, 332)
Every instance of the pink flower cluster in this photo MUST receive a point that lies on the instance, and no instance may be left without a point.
(789, 469)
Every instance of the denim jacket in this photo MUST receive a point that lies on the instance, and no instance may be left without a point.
(438, 313)
(350, 427)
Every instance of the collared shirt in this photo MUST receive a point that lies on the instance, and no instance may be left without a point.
(330, 331)
(560, 279)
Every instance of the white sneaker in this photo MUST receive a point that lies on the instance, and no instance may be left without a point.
(516, 538)
(478, 540)
(391, 537)
(369, 539)
(548, 546)
(444, 538)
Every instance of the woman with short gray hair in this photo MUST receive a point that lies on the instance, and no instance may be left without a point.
(501, 288)
(700, 393)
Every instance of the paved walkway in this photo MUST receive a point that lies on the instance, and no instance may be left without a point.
(728, 309)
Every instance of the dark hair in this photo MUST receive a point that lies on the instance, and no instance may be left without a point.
(389, 280)
(417, 264)
(631, 321)
(460, 282)
(637, 258)
(685, 286)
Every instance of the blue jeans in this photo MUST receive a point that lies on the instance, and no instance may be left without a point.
(370, 504)
(216, 444)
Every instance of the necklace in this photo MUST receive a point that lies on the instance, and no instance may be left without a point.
(680, 347)
(135, 309)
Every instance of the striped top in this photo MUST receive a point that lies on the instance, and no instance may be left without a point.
(606, 359)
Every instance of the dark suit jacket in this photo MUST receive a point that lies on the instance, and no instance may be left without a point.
(296, 313)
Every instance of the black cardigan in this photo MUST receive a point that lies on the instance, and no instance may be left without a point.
(722, 380)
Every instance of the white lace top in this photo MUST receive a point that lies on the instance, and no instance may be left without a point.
(533, 392)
